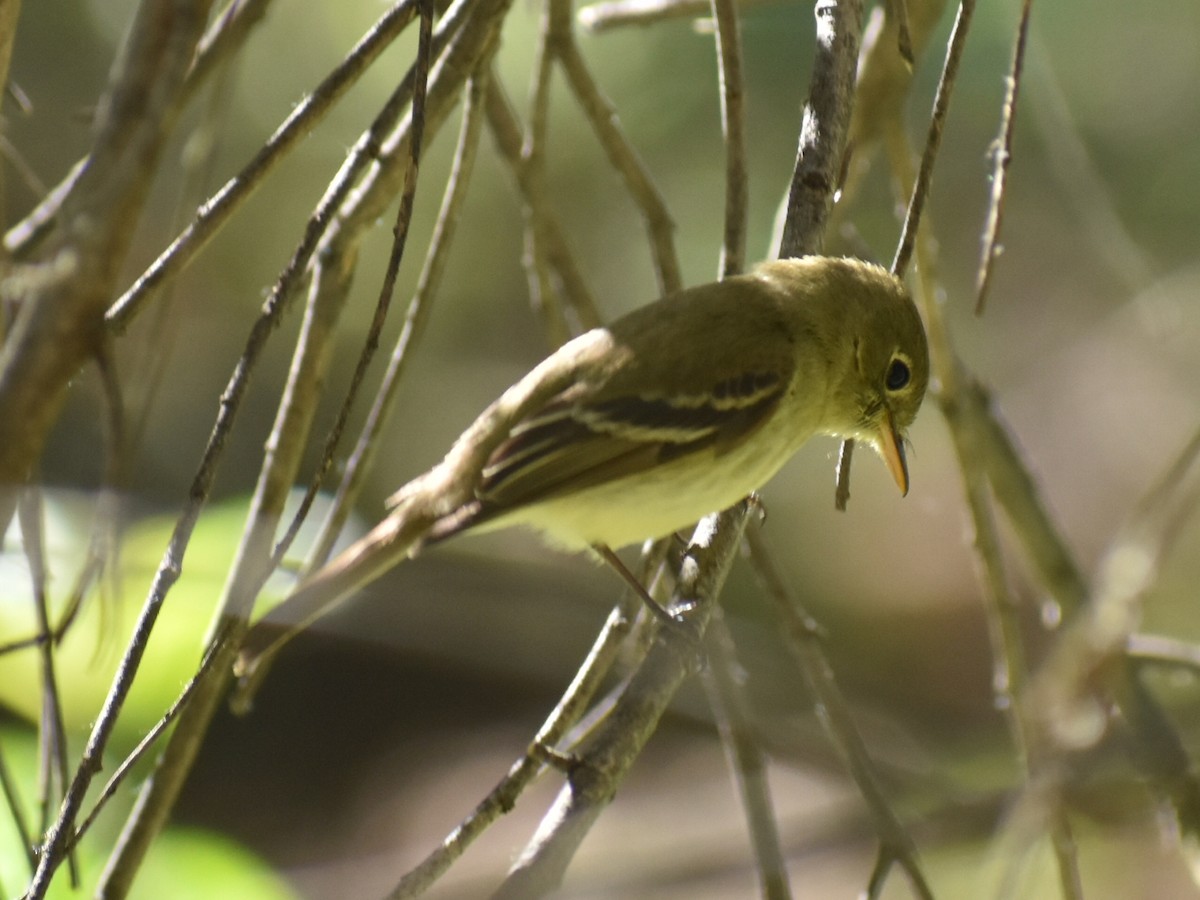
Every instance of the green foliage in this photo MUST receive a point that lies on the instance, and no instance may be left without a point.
(185, 864)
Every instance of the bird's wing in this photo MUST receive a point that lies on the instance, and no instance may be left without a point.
(571, 445)
(637, 414)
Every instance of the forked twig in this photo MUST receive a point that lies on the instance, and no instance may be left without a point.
(503, 796)
(599, 768)
(387, 288)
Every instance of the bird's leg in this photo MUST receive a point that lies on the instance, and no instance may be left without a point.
(657, 609)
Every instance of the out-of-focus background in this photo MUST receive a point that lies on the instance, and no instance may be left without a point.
(383, 727)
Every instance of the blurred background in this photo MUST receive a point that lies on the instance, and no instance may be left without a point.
(380, 729)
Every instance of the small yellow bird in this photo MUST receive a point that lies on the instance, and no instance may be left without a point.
(676, 410)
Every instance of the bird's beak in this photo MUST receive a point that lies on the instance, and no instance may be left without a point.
(891, 448)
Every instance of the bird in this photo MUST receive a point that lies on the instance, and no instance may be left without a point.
(637, 429)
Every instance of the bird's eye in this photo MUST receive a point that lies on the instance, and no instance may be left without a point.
(898, 375)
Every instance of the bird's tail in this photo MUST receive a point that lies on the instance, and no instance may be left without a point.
(383, 547)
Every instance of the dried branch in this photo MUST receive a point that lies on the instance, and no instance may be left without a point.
(387, 289)
(146, 744)
(62, 298)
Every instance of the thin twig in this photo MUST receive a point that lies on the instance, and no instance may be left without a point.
(545, 295)
(1159, 650)
(16, 813)
(53, 731)
(226, 35)
(937, 121)
(1085, 190)
(1066, 855)
(125, 769)
(1009, 656)
(1002, 152)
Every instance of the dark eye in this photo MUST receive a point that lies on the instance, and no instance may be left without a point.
(898, 375)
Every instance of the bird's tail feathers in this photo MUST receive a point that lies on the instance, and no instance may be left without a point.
(383, 547)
